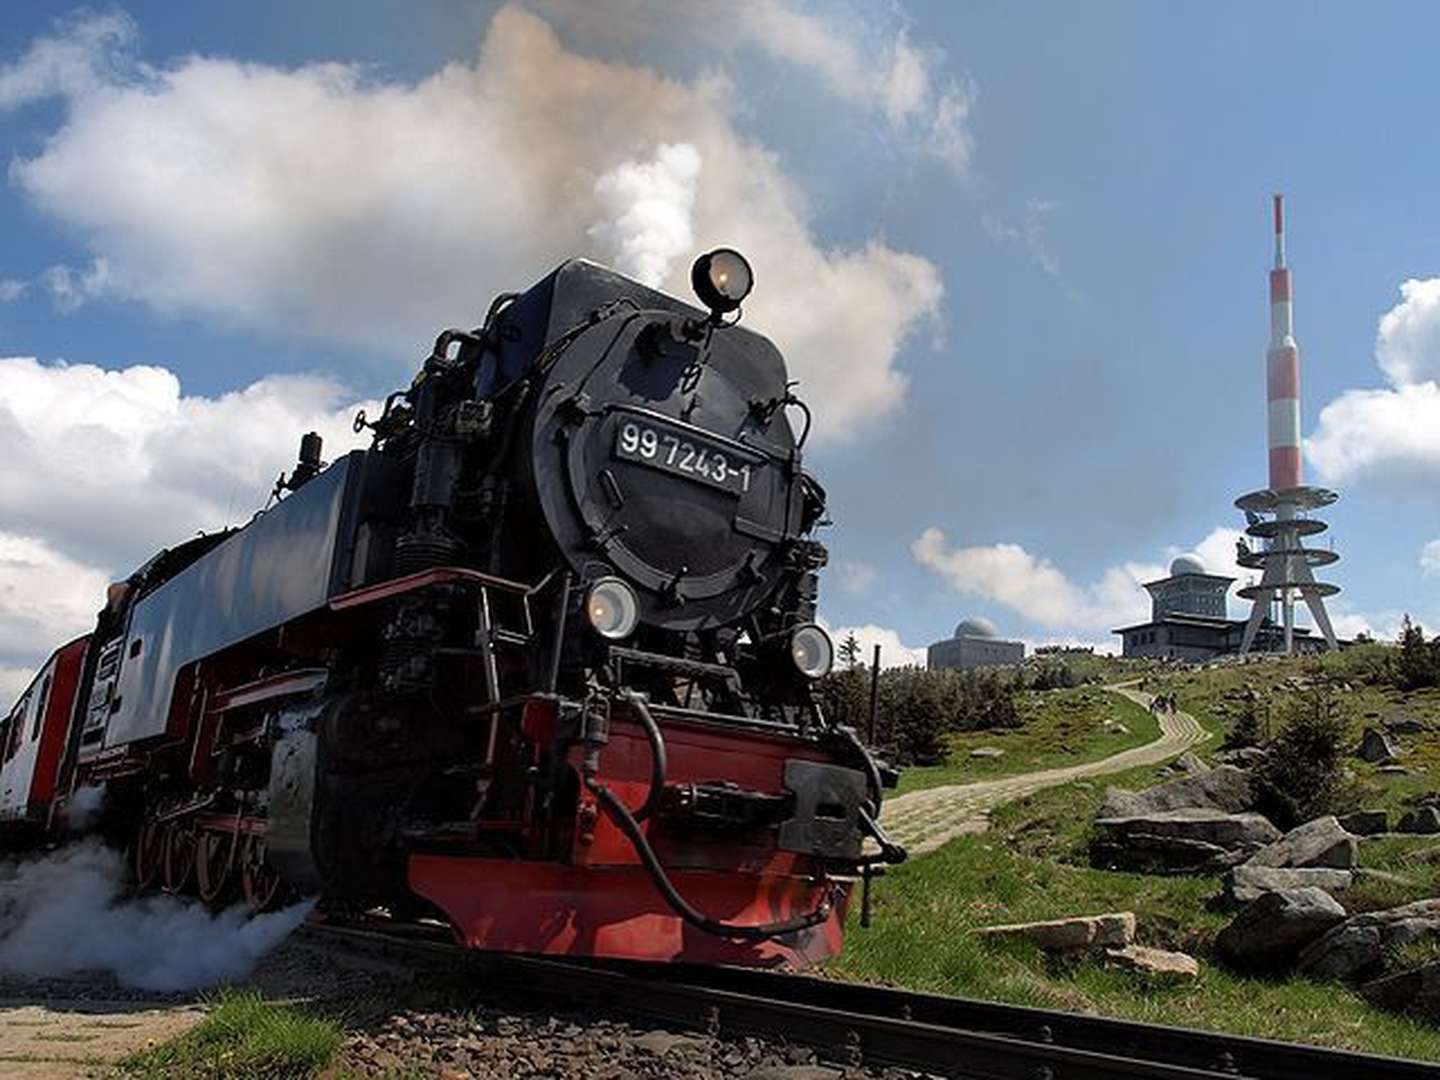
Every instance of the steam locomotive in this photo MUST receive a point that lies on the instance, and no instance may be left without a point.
(542, 660)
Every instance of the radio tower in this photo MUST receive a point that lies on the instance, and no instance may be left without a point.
(1279, 516)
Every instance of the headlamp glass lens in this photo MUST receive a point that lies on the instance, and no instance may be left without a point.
(812, 651)
(612, 608)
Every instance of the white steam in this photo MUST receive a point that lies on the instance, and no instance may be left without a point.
(647, 207)
(64, 914)
(84, 807)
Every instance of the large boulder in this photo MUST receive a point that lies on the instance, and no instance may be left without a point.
(1321, 842)
(1365, 822)
(1416, 991)
(1189, 765)
(1375, 746)
(1270, 932)
(1225, 788)
(1400, 723)
(1191, 840)
(1423, 819)
(1244, 884)
(1357, 947)
(1114, 929)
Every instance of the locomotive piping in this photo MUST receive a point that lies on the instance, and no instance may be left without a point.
(631, 828)
(659, 767)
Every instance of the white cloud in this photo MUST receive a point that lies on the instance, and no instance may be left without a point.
(1430, 558)
(1028, 232)
(893, 651)
(882, 71)
(72, 289)
(45, 598)
(12, 290)
(1040, 592)
(1391, 433)
(855, 575)
(324, 201)
(137, 464)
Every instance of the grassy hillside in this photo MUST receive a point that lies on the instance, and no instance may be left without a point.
(1031, 865)
(1058, 728)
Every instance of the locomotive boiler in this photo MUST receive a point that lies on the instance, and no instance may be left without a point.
(541, 660)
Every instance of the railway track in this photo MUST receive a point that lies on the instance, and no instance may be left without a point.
(856, 1023)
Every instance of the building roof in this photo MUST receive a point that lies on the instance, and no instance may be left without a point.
(976, 626)
(1186, 564)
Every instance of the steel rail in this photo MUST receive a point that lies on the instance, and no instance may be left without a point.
(957, 1037)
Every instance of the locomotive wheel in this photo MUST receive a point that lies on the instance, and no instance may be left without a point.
(215, 866)
(149, 854)
(259, 880)
(180, 844)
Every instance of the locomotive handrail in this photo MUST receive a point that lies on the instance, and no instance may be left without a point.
(439, 575)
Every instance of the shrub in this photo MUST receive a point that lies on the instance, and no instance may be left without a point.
(1418, 664)
(1303, 778)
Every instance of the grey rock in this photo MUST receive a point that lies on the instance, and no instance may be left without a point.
(1393, 770)
(1416, 991)
(795, 1072)
(1321, 842)
(1271, 931)
(987, 752)
(1111, 930)
(1244, 757)
(1375, 746)
(1246, 883)
(1423, 819)
(1225, 788)
(1211, 826)
(1403, 724)
(1179, 841)
(1357, 946)
(1365, 822)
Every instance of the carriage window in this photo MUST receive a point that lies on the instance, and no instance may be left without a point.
(13, 726)
(40, 707)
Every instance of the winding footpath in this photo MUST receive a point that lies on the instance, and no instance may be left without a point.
(923, 820)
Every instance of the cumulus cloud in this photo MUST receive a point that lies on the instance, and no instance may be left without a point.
(1391, 433)
(370, 211)
(103, 468)
(12, 290)
(893, 651)
(116, 441)
(1037, 590)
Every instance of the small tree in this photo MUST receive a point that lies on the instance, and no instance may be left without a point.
(1246, 729)
(1302, 777)
(850, 651)
(1418, 664)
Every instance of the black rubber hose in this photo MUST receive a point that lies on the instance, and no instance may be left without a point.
(631, 828)
(659, 766)
(867, 761)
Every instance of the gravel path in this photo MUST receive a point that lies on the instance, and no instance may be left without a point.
(923, 820)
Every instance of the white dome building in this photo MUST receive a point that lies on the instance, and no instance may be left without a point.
(977, 643)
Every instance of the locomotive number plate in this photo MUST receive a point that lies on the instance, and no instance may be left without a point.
(682, 454)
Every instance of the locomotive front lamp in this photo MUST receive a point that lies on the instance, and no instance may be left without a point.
(612, 608)
(812, 651)
(721, 279)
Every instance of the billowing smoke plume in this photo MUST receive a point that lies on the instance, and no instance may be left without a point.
(647, 206)
(64, 914)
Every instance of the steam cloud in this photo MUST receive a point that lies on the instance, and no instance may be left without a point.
(64, 914)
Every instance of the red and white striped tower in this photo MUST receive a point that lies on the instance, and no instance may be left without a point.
(1283, 557)
(1283, 363)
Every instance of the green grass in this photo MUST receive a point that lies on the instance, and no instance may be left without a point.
(1061, 727)
(1031, 866)
(244, 1036)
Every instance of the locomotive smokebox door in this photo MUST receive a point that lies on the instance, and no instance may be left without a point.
(827, 810)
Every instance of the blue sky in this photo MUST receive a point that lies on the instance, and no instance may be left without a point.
(1016, 252)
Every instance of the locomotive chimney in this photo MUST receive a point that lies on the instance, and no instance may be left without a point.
(309, 463)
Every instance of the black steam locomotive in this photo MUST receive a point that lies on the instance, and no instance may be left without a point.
(542, 658)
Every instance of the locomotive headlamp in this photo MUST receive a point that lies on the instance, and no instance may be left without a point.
(812, 651)
(721, 279)
(612, 608)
